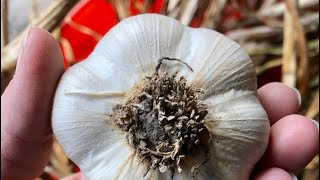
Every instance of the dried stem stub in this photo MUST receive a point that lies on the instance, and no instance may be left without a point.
(165, 120)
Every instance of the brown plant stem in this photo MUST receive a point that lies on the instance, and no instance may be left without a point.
(313, 109)
(278, 9)
(289, 63)
(302, 71)
(189, 11)
(310, 24)
(4, 23)
(213, 13)
(49, 20)
(122, 8)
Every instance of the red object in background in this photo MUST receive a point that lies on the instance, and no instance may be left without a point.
(231, 14)
(87, 23)
(75, 168)
(272, 75)
(83, 27)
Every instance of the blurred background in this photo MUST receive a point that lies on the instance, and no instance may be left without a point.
(281, 36)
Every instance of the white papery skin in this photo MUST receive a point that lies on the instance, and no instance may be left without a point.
(90, 89)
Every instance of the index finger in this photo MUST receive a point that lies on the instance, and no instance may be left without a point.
(279, 100)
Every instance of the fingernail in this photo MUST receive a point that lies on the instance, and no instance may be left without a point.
(297, 93)
(315, 123)
(294, 177)
(23, 44)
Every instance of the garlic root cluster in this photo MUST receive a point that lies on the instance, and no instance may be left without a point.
(164, 121)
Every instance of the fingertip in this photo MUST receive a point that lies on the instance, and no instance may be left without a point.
(294, 142)
(32, 89)
(293, 176)
(273, 174)
(298, 95)
(279, 100)
(39, 53)
(316, 124)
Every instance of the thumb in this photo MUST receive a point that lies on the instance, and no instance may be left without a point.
(26, 135)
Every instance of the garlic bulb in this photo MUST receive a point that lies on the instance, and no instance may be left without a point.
(159, 100)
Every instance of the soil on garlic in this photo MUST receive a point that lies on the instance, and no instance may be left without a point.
(164, 120)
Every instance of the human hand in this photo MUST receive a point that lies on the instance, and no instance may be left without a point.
(294, 139)
(26, 134)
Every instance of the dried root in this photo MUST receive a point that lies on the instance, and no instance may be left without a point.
(164, 121)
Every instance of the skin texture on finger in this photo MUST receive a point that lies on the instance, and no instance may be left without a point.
(293, 143)
(278, 100)
(76, 176)
(26, 134)
(273, 174)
